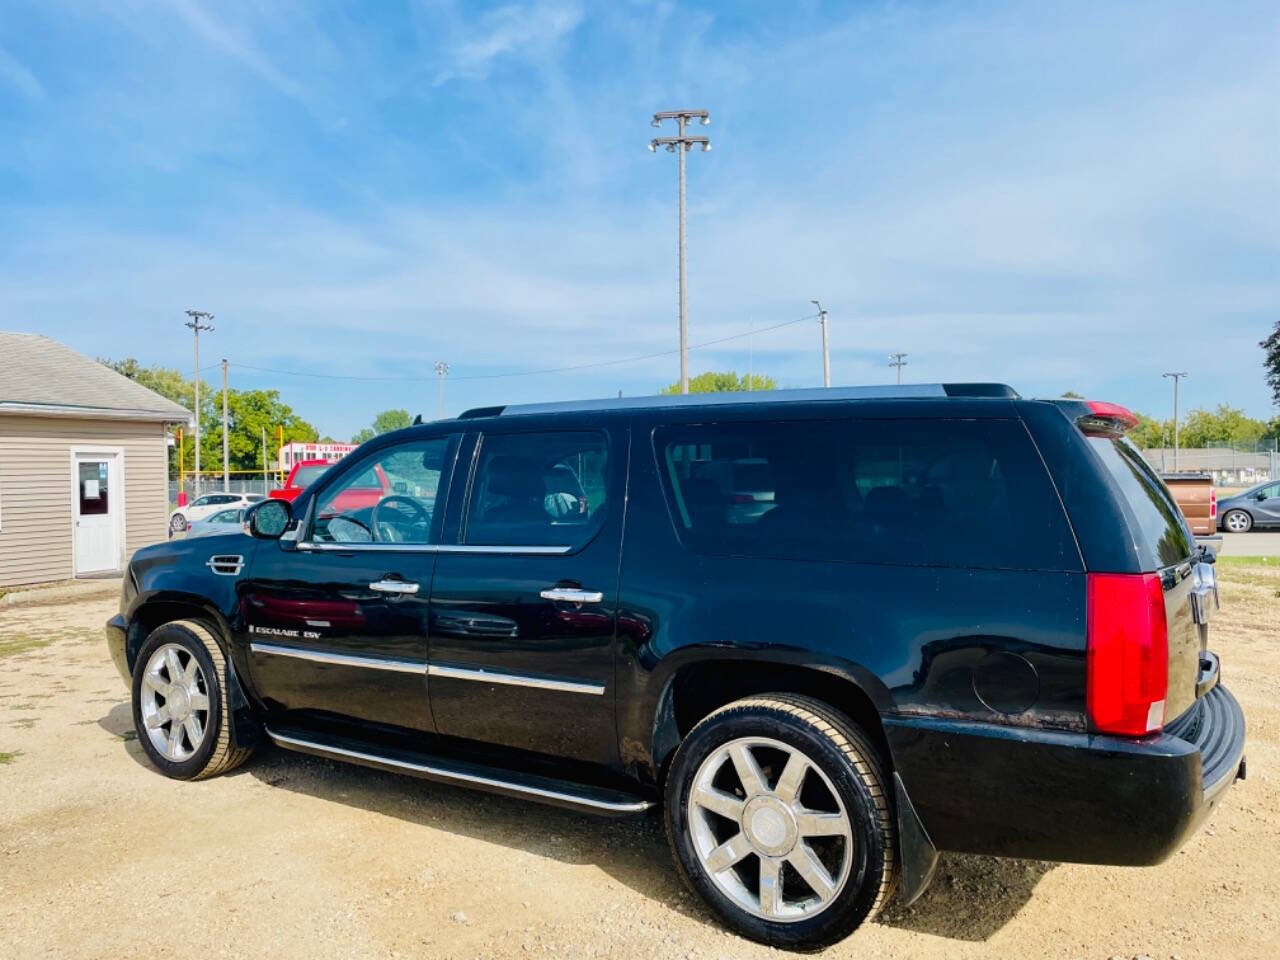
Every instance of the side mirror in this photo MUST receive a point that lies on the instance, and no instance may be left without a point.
(1260, 495)
(268, 519)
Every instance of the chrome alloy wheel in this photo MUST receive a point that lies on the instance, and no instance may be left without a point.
(175, 702)
(770, 829)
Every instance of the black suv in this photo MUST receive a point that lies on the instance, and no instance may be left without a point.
(949, 619)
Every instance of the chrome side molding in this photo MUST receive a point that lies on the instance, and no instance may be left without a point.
(514, 679)
(340, 659)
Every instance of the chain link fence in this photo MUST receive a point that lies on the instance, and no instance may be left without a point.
(1228, 467)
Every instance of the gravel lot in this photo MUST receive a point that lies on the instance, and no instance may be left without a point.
(295, 857)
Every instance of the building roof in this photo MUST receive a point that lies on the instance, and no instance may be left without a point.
(41, 377)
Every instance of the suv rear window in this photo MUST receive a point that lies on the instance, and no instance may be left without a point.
(971, 493)
(1162, 535)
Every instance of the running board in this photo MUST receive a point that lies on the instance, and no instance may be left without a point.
(561, 793)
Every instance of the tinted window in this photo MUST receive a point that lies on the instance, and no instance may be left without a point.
(308, 475)
(537, 489)
(1162, 535)
(927, 492)
(389, 498)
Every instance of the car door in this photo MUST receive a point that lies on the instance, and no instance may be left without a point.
(1267, 505)
(523, 601)
(335, 622)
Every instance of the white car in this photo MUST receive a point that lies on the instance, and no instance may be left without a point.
(206, 505)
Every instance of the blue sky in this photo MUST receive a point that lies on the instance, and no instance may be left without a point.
(1071, 196)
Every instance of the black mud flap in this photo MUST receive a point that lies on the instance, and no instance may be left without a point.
(919, 855)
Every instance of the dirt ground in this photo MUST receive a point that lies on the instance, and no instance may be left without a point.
(296, 857)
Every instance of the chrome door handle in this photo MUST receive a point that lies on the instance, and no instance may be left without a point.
(394, 586)
(572, 595)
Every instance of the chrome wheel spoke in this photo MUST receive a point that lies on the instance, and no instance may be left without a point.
(811, 870)
(811, 824)
(792, 778)
(157, 719)
(174, 743)
(193, 670)
(749, 773)
(174, 664)
(199, 701)
(717, 801)
(195, 732)
(728, 853)
(770, 886)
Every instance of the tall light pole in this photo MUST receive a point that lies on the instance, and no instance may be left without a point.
(681, 145)
(898, 360)
(1175, 377)
(442, 371)
(226, 472)
(196, 324)
(826, 352)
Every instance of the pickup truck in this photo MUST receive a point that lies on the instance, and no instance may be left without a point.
(301, 475)
(1197, 499)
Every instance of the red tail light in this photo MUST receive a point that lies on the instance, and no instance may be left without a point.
(1213, 502)
(1128, 653)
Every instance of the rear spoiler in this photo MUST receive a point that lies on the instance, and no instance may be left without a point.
(1098, 417)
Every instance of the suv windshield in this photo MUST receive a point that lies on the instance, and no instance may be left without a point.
(1162, 535)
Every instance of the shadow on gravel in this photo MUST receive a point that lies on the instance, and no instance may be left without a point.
(970, 897)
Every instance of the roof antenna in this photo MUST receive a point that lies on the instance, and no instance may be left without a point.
(417, 420)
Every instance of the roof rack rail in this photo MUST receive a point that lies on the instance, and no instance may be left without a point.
(916, 391)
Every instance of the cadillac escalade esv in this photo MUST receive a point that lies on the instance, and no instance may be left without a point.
(952, 619)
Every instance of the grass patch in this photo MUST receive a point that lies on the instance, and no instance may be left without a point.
(129, 735)
(1249, 561)
(10, 646)
(9, 757)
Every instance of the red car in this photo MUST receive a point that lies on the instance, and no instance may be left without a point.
(306, 472)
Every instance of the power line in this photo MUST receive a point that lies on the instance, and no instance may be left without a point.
(525, 373)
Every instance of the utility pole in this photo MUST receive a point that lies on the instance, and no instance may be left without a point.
(826, 351)
(442, 371)
(1175, 377)
(226, 468)
(196, 324)
(681, 145)
(898, 360)
(266, 487)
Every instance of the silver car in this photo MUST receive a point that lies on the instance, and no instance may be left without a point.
(1259, 506)
(224, 521)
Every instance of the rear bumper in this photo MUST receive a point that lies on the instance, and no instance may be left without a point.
(1074, 797)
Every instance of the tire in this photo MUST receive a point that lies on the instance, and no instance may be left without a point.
(1241, 518)
(203, 697)
(845, 776)
(177, 523)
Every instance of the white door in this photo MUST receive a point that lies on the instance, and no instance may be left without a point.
(96, 504)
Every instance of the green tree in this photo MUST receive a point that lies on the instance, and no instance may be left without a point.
(1223, 425)
(1072, 395)
(728, 382)
(384, 422)
(1151, 433)
(248, 413)
(1271, 347)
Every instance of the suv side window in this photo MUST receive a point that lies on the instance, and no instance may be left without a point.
(968, 493)
(537, 489)
(389, 498)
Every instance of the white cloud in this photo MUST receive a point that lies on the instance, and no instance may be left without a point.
(20, 78)
(514, 31)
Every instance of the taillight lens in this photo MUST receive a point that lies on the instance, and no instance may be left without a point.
(1128, 653)
(1213, 502)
